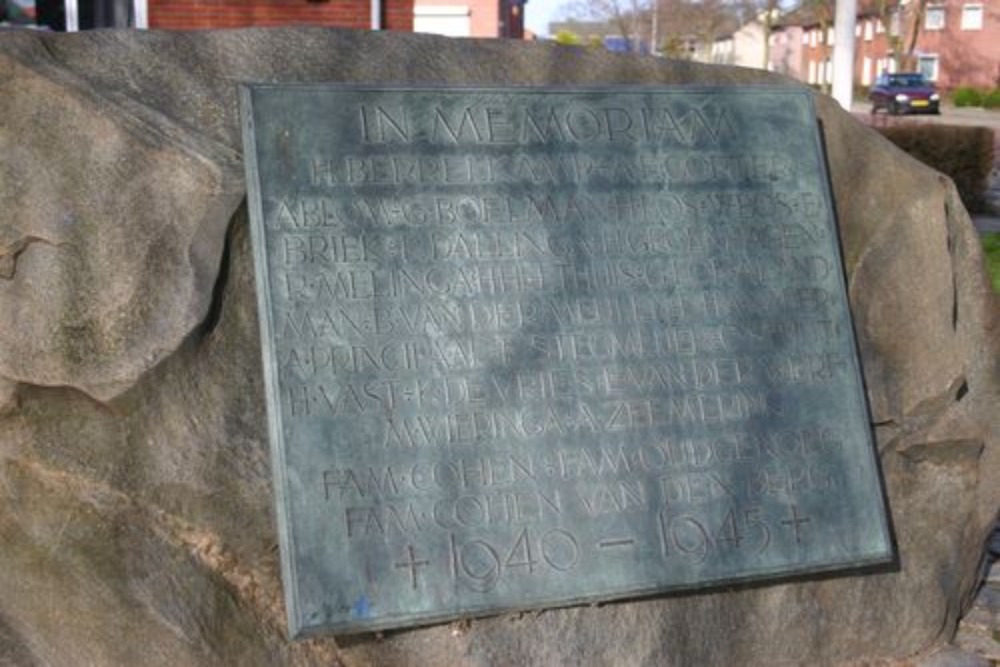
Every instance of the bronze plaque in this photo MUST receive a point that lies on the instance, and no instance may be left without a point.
(534, 347)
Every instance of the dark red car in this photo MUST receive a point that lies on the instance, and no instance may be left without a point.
(904, 93)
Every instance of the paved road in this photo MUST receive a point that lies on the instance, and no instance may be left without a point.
(986, 224)
(949, 116)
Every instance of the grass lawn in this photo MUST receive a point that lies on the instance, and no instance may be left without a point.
(991, 244)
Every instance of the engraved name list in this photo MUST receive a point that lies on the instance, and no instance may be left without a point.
(532, 347)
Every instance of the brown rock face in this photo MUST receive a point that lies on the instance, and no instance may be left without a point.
(135, 506)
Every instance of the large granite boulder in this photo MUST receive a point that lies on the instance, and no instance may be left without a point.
(135, 505)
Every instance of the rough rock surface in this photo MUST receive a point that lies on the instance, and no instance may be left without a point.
(135, 508)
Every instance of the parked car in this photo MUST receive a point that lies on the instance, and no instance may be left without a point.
(904, 93)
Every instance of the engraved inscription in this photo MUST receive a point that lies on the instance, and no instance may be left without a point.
(528, 347)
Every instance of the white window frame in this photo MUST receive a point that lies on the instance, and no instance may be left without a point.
(868, 31)
(447, 20)
(937, 11)
(980, 9)
(140, 14)
(879, 26)
(931, 57)
(866, 71)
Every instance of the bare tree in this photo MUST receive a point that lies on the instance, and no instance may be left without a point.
(681, 24)
(624, 16)
(670, 27)
(903, 24)
(823, 13)
(767, 17)
(765, 13)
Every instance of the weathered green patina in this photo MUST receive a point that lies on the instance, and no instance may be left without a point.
(534, 347)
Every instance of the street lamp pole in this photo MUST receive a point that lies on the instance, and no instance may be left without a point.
(653, 32)
(845, 21)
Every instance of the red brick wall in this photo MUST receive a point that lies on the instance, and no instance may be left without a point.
(199, 14)
(965, 57)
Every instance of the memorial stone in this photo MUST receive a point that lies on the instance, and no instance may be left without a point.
(534, 347)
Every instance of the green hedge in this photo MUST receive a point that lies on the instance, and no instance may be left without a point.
(991, 245)
(963, 153)
(992, 99)
(966, 96)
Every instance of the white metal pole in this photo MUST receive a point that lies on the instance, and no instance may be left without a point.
(140, 14)
(376, 14)
(654, 32)
(843, 52)
(72, 16)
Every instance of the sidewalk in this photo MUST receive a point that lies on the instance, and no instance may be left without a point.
(986, 223)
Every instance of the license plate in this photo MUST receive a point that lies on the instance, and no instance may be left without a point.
(919, 103)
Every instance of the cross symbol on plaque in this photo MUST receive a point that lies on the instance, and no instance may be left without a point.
(795, 522)
(412, 564)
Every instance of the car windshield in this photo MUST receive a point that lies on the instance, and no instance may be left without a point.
(907, 80)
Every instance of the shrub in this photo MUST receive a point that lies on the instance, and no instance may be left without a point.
(967, 96)
(567, 38)
(992, 99)
(991, 247)
(963, 153)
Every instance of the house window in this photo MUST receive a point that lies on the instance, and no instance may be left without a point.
(805, 38)
(928, 66)
(451, 21)
(934, 18)
(879, 27)
(812, 71)
(972, 17)
(868, 31)
(866, 71)
(894, 23)
(812, 37)
(829, 36)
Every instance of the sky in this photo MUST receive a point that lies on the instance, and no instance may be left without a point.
(538, 13)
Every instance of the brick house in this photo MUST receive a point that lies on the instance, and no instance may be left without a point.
(744, 47)
(364, 14)
(198, 14)
(958, 43)
(787, 51)
(465, 18)
(470, 18)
